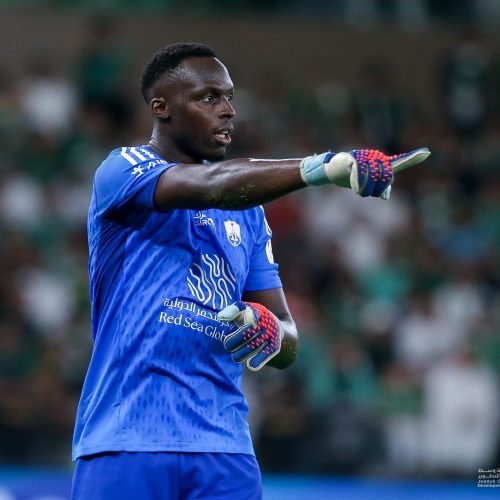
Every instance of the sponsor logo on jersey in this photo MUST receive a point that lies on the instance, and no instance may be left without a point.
(201, 219)
(233, 232)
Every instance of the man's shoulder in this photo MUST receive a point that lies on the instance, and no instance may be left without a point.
(132, 156)
(136, 160)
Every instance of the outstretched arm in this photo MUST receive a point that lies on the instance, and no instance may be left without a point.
(227, 185)
(244, 183)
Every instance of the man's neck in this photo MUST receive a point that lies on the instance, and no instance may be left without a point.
(162, 145)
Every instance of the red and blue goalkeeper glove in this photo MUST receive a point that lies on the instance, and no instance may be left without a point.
(367, 172)
(258, 336)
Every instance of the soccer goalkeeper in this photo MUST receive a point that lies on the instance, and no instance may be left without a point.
(184, 291)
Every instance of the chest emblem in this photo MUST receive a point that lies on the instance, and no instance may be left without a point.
(212, 281)
(233, 232)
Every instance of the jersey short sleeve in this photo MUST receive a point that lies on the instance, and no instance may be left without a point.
(128, 175)
(263, 272)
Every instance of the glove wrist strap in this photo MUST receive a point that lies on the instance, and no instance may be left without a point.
(328, 168)
(312, 169)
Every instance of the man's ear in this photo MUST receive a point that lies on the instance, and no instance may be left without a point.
(160, 108)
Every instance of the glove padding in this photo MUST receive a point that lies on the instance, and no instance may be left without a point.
(258, 336)
(371, 174)
(367, 172)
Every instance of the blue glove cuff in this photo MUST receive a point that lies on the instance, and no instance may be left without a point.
(312, 169)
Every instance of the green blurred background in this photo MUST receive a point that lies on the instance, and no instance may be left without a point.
(398, 304)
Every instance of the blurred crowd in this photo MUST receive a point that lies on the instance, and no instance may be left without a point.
(397, 303)
(412, 15)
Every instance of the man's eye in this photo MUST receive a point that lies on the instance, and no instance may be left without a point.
(208, 98)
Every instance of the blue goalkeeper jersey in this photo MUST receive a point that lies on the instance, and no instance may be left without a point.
(159, 378)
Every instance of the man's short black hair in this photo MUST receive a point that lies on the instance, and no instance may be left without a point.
(167, 59)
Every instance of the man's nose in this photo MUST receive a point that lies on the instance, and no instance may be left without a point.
(226, 110)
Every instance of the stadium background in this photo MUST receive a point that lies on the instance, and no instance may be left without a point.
(398, 303)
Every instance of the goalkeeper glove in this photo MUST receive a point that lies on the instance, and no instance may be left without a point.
(258, 336)
(367, 172)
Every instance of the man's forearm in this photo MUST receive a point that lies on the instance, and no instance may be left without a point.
(256, 182)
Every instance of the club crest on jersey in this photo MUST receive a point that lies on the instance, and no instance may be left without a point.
(233, 232)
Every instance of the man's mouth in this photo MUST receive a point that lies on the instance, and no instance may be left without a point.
(223, 136)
